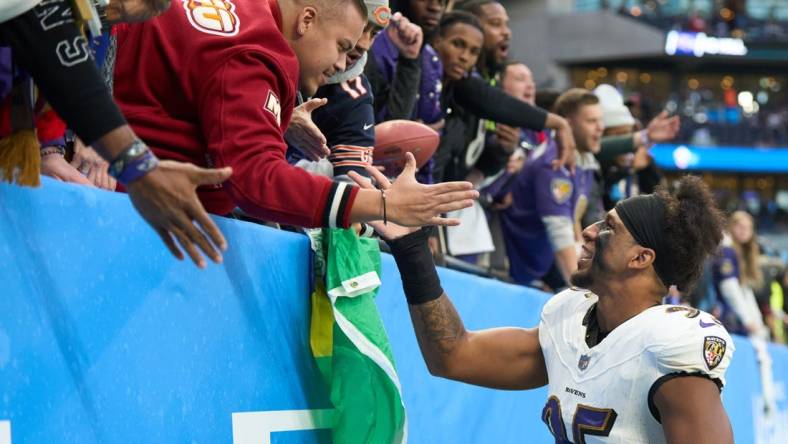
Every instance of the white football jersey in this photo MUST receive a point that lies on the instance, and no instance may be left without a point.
(604, 394)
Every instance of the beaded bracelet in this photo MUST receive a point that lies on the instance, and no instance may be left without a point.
(53, 149)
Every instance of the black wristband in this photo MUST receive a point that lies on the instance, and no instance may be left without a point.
(416, 267)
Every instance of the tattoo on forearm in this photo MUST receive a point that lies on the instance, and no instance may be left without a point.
(440, 324)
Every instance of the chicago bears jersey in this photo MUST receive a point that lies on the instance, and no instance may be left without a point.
(348, 122)
(604, 394)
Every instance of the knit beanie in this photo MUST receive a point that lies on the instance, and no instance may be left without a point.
(615, 112)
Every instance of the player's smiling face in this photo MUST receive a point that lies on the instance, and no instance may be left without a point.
(604, 251)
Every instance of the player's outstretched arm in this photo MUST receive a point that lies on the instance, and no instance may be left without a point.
(506, 358)
(503, 358)
(691, 412)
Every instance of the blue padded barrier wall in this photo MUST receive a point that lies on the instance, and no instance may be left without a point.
(105, 338)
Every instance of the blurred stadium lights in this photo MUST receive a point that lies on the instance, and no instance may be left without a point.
(684, 43)
(723, 159)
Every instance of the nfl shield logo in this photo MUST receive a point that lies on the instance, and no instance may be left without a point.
(582, 364)
(561, 189)
(713, 351)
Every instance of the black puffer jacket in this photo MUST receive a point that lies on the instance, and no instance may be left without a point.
(465, 103)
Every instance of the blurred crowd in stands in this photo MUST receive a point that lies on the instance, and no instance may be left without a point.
(544, 163)
(751, 20)
(722, 113)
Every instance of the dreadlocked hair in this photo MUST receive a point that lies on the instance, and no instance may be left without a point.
(694, 228)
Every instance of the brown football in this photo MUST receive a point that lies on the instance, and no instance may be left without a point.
(394, 138)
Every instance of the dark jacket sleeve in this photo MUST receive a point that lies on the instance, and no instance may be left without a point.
(380, 87)
(491, 103)
(615, 146)
(404, 89)
(65, 72)
(398, 98)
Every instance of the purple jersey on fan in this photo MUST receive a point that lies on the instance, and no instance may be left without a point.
(538, 192)
(726, 266)
(428, 105)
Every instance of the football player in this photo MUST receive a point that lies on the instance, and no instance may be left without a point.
(620, 366)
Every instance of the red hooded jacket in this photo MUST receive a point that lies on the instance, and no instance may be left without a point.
(214, 83)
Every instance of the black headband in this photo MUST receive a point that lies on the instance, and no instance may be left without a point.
(644, 217)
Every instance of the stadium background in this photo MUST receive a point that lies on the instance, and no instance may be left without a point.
(735, 100)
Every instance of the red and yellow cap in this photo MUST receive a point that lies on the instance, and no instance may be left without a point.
(378, 12)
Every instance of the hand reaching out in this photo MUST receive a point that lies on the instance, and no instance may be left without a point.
(55, 165)
(304, 134)
(389, 231)
(413, 204)
(93, 166)
(663, 128)
(167, 199)
(508, 137)
(406, 36)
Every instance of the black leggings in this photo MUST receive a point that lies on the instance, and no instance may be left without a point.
(47, 44)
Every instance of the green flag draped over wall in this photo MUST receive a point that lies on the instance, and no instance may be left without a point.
(349, 342)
